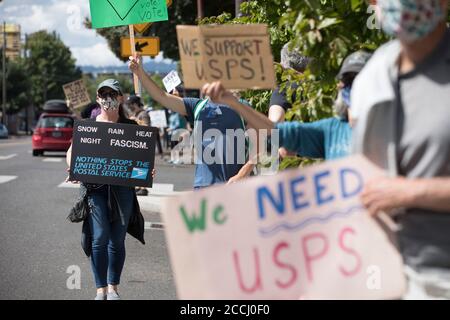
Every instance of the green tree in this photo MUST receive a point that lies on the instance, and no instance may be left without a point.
(17, 85)
(50, 65)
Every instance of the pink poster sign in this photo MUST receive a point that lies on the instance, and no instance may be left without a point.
(300, 234)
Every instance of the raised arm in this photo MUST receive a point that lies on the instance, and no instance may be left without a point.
(167, 100)
(254, 119)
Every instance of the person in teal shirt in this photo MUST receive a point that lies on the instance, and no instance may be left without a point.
(327, 139)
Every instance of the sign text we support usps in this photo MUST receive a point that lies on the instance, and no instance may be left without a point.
(112, 153)
(238, 55)
(298, 234)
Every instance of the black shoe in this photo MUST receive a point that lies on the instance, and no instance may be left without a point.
(142, 192)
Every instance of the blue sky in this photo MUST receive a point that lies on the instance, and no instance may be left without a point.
(66, 17)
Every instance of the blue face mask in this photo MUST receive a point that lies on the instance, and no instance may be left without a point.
(410, 20)
(346, 93)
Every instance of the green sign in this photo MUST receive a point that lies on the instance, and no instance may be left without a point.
(110, 13)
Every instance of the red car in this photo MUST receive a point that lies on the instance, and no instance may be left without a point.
(53, 132)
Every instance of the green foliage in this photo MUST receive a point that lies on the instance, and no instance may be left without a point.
(50, 65)
(325, 30)
(17, 85)
(295, 162)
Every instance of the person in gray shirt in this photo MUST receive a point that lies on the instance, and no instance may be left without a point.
(401, 108)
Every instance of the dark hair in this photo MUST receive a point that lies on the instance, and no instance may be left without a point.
(122, 114)
(86, 113)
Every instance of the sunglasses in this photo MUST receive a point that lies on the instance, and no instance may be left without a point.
(109, 93)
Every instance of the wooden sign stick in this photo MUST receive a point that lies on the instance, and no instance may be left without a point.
(137, 85)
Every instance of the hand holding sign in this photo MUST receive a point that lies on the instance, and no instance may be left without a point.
(135, 64)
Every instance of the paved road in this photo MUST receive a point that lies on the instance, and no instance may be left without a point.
(38, 244)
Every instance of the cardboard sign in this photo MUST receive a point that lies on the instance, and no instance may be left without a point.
(110, 13)
(171, 81)
(148, 46)
(113, 153)
(237, 55)
(77, 94)
(158, 118)
(300, 234)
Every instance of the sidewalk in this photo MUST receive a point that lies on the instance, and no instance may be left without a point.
(170, 180)
(160, 191)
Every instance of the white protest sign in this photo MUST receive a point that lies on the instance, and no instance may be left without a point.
(158, 118)
(300, 234)
(77, 94)
(171, 81)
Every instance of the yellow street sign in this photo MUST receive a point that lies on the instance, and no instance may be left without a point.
(142, 27)
(148, 46)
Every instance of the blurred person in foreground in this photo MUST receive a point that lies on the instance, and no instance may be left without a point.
(401, 108)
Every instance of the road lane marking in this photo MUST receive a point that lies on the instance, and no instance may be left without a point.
(68, 185)
(52, 160)
(161, 189)
(14, 144)
(10, 156)
(4, 179)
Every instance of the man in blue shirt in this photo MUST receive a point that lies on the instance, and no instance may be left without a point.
(327, 138)
(218, 131)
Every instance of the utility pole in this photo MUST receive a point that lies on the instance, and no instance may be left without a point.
(199, 9)
(4, 120)
(238, 12)
(28, 91)
(45, 84)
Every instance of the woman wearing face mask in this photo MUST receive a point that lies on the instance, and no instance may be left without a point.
(113, 210)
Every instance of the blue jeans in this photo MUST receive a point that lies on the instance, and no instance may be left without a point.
(108, 239)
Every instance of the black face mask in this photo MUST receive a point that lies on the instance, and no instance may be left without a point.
(348, 78)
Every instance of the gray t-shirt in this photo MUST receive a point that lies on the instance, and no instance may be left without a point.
(424, 152)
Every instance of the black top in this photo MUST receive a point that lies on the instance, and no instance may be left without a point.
(279, 97)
